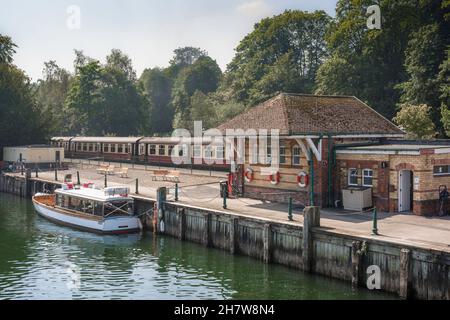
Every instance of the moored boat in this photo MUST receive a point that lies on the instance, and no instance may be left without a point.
(106, 211)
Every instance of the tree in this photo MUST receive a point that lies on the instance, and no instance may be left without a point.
(120, 61)
(282, 53)
(183, 57)
(424, 56)
(51, 93)
(21, 121)
(84, 100)
(203, 109)
(444, 81)
(416, 121)
(203, 75)
(371, 64)
(6, 49)
(157, 87)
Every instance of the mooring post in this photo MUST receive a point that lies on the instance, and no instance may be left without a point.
(106, 180)
(356, 262)
(290, 210)
(233, 232)
(311, 219)
(37, 175)
(78, 178)
(181, 223)
(375, 222)
(267, 241)
(161, 196)
(28, 183)
(405, 256)
(207, 226)
(137, 186)
(56, 174)
(225, 194)
(176, 191)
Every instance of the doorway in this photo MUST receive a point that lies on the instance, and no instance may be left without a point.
(405, 191)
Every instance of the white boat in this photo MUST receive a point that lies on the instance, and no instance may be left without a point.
(105, 211)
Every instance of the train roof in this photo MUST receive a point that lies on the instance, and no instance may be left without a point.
(107, 139)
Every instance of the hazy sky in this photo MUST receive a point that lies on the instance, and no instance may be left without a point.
(147, 30)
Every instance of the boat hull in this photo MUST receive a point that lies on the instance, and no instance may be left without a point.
(113, 225)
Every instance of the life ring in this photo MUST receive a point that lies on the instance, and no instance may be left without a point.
(248, 175)
(274, 178)
(302, 179)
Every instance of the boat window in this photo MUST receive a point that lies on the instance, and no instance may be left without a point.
(118, 208)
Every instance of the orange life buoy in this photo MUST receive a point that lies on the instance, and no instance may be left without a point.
(274, 178)
(302, 179)
(248, 175)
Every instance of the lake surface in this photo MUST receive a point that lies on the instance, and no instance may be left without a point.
(41, 260)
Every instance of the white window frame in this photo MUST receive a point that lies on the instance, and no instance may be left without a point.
(296, 156)
(220, 152)
(282, 155)
(197, 151)
(350, 176)
(364, 176)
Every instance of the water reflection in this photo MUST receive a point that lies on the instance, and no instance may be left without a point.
(41, 260)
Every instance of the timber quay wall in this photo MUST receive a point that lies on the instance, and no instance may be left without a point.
(408, 271)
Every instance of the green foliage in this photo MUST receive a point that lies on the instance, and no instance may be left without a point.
(6, 49)
(382, 67)
(282, 53)
(204, 76)
(157, 88)
(51, 93)
(416, 121)
(21, 121)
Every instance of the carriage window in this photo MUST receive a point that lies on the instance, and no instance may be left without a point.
(171, 150)
(353, 177)
(120, 149)
(296, 156)
(208, 152)
(197, 151)
(113, 148)
(84, 146)
(90, 147)
(162, 150)
(152, 149)
(367, 178)
(141, 149)
(106, 147)
(127, 148)
(219, 152)
(269, 155)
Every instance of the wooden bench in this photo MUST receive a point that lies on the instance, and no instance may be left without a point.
(173, 176)
(159, 174)
(110, 170)
(123, 173)
(102, 169)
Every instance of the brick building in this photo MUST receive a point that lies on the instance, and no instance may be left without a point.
(328, 143)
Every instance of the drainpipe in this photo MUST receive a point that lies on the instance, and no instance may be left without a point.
(330, 171)
(311, 174)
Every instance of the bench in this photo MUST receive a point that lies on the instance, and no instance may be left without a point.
(102, 169)
(123, 173)
(173, 176)
(159, 174)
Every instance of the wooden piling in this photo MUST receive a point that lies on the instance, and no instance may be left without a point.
(267, 240)
(233, 233)
(356, 263)
(181, 224)
(311, 219)
(405, 257)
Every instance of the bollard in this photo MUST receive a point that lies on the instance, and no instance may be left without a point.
(56, 174)
(290, 210)
(225, 194)
(106, 180)
(78, 178)
(37, 172)
(137, 186)
(375, 222)
(176, 191)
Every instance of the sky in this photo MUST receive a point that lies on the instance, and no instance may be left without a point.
(147, 30)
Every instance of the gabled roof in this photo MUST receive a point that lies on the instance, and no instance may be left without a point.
(299, 114)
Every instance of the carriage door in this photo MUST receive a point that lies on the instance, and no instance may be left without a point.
(405, 191)
(57, 156)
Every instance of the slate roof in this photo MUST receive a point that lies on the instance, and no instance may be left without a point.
(312, 114)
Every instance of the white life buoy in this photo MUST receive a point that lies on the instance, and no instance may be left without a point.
(248, 175)
(302, 179)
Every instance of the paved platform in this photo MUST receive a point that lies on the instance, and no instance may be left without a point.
(201, 189)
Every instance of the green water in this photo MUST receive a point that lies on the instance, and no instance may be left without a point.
(41, 260)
